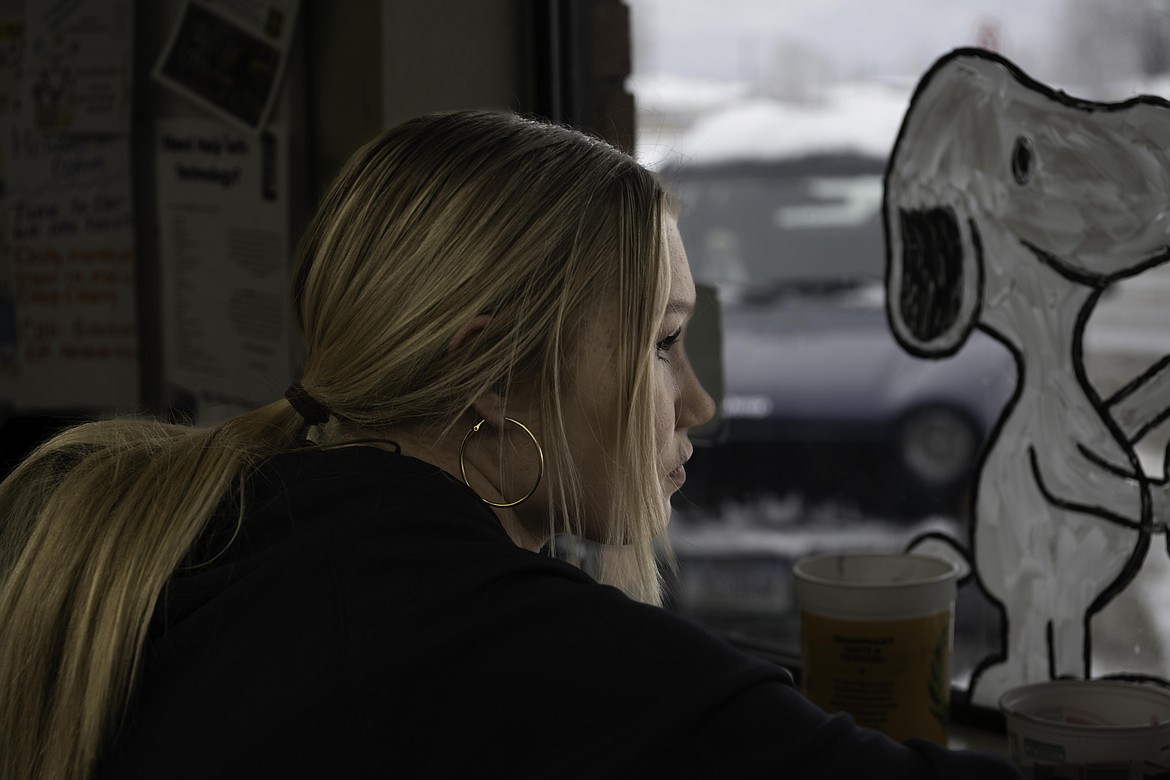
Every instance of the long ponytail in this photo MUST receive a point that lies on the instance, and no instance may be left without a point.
(92, 525)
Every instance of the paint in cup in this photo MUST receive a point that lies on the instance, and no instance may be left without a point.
(876, 639)
(1088, 728)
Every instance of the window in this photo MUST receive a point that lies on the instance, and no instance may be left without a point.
(774, 121)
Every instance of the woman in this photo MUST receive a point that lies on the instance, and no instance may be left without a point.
(346, 582)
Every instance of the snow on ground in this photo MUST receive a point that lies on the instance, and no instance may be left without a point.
(670, 99)
(727, 122)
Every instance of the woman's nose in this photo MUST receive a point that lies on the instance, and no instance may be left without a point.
(696, 406)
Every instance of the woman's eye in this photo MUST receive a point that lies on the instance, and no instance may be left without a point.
(665, 345)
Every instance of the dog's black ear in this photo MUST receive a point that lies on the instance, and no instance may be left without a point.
(931, 294)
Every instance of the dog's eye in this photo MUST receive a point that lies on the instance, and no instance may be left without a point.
(1023, 160)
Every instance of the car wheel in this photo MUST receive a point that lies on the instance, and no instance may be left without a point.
(938, 446)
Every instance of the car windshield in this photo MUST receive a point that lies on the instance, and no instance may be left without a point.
(761, 231)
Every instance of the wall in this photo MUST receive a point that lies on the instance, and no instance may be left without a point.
(469, 54)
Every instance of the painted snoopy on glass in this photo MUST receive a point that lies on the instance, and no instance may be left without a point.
(1011, 207)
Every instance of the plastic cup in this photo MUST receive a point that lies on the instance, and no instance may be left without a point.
(1088, 728)
(876, 639)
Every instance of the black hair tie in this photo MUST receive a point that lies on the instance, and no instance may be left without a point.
(313, 411)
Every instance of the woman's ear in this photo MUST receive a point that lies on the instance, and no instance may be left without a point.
(489, 405)
(490, 408)
(470, 330)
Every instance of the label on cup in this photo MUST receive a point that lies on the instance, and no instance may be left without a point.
(890, 675)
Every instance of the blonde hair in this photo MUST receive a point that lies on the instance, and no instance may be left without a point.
(433, 223)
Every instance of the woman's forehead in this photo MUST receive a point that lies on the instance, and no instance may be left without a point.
(682, 285)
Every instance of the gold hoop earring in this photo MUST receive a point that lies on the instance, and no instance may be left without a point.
(539, 451)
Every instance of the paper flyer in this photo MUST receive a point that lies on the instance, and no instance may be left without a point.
(68, 299)
(224, 222)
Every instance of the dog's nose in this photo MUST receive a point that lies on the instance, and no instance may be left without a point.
(932, 271)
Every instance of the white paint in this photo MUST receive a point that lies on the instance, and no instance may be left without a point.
(1058, 483)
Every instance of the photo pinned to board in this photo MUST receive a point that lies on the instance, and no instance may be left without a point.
(229, 58)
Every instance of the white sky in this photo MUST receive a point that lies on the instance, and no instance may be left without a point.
(737, 39)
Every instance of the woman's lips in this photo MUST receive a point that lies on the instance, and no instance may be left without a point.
(679, 474)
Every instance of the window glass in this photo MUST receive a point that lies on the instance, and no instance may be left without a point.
(772, 120)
